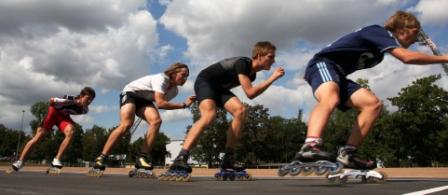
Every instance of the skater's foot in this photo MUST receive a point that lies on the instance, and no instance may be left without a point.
(348, 157)
(228, 163)
(16, 166)
(311, 152)
(181, 164)
(142, 164)
(99, 163)
(56, 163)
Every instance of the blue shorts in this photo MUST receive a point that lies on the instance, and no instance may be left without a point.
(206, 89)
(322, 71)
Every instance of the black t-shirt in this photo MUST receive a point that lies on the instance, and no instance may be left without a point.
(225, 72)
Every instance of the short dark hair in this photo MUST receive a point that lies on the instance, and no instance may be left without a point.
(88, 91)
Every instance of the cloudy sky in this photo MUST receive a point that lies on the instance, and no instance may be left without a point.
(55, 47)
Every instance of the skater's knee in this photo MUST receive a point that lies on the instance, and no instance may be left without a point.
(375, 105)
(330, 102)
(157, 121)
(69, 133)
(208, 119)
(239, 113)
(124, 126)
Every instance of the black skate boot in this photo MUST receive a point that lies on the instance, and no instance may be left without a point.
(311, 159)
(98, 168)
(356, 168)
(230, 170)
(142, 168)
(179, 171)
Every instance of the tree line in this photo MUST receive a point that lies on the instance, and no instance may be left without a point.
(414, 134)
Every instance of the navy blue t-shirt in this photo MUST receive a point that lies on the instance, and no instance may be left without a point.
(364, 48)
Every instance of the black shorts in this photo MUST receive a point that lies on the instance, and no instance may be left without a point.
(205, 89)
(139, 102)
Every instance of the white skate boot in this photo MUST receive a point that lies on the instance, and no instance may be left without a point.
(55, 167)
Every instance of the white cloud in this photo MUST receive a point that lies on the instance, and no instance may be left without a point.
(52, 47)
(175, 115)
(220, 29)
(432, 12)
(103, 108)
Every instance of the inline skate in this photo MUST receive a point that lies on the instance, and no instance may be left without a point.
(311, 159)
(231, 172)
(15, 167)
(356, 168)
(142, 169)
(179, 171)
(55, 168)
(98, 168)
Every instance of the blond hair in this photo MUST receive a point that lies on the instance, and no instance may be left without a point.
(402, 20)
(262, 48)
(175, 68)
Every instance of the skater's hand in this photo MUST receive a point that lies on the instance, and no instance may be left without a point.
(190, 100)
(278, 72)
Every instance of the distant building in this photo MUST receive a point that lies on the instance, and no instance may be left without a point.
(174, 147)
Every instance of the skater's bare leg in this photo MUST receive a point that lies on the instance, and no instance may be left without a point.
(69, 132)
(327, 96)
(40, 133)
(370, 107)
(238, 111)
(207, 108)
(127, 116)
(151, 115)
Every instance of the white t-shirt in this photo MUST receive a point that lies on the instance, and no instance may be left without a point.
(145, 87)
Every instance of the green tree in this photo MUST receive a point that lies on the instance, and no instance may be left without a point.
(93, 142)
(8, 140)
(421, 120)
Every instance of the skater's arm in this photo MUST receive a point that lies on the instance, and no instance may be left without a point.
(254, 91)
(413, 57)
(55, 101)
(163, 103)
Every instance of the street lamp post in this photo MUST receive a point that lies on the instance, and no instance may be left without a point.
(20, 135)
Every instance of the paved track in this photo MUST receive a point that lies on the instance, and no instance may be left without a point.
(69, 183)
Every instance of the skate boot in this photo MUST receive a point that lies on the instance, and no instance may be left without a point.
(231, 171)
(311, 159)
(98, 168)
(179, 171)
(16, 166)
(142, 169)
(355, 168)
(55, 167)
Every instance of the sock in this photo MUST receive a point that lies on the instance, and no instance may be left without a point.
(350, 147)
(316, 140)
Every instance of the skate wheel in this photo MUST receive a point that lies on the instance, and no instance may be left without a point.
(307, 171)
(295, 171)
(131, 173)
(320, 170)
(282, 172)
(232, 177)
(332, 179)
(337, 168)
